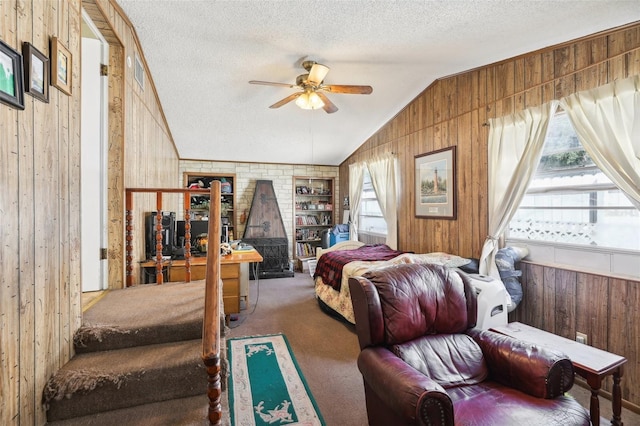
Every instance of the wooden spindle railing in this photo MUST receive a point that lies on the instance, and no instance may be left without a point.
(213, 284)
(212, 314)
(159, 265)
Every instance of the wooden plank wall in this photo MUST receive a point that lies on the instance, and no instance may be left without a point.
(40, 292)
(606, 309)
(454, 110)
(39, 205)
(147, 157)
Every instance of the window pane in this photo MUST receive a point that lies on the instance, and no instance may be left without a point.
(562, 149)
(571, 201)
(370, 218)
(614, 227)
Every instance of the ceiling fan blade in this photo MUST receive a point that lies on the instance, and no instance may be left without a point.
(317, 74)
(329, 106)
(269, 83)
(286, 100)
(349, 89)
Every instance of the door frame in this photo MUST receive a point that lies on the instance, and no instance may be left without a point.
(103, 132)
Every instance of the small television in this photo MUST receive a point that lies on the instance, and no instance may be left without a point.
(197, 227)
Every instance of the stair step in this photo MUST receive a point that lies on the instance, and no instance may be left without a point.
(110, 380)
(107, 338)
(189, 411)
(142, 315)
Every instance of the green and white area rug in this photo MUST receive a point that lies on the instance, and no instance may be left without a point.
(266, 386)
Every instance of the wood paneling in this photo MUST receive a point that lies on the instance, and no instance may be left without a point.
(148, 157)
(40, 293)
(10, 291)
(606, 309)
(454, 111)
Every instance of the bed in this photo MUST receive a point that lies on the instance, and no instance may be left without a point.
(337, 301)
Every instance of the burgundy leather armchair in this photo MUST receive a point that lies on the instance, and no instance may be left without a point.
(424, 363)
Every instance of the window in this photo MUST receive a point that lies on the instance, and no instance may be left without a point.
(371, 220)
(570, 201)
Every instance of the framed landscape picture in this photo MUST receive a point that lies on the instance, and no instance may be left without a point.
(11, 84)
(36, 72)
(435, 184)
(61, 66)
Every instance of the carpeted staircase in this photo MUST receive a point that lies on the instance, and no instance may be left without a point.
(138, 361)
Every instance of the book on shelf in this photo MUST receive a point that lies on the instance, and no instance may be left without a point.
(313, 220)
(305, 250)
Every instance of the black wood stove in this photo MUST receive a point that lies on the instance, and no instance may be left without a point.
(266, 233)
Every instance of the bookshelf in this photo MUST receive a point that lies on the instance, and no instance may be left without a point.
(314, 212)
(200, 202)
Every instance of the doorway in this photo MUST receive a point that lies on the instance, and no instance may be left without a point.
(93, 164)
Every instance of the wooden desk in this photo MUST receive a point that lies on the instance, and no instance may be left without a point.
(229, 273)
(174, 270)
(591, 363)
(178, 271)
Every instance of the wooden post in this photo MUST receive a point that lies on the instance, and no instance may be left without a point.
(129, 237)
(211, 323)
(187, 236)
(159, 276)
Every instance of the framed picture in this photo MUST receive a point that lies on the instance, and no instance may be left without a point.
(435, 187)
(11, 83)
(36, 72)
(61, 66)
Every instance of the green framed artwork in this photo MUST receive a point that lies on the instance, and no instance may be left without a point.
(11, 83)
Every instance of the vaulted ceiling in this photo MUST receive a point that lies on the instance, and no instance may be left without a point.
(202, 54)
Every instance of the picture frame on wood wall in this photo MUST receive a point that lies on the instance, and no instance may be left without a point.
(11, 77)
(435, 184)
(36, 72)
(61, 66)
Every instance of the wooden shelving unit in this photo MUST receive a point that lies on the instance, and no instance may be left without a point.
(314, 212)
(200, 202)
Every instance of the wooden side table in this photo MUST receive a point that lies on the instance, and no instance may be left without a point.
(591, 363)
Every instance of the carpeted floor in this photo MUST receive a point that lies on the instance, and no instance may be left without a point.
(325, 348)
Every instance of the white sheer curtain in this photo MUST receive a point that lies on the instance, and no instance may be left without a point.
(383, 178)
(515, 147)
(356, 177)
(607, 121)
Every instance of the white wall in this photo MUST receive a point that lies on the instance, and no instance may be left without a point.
(588, 259)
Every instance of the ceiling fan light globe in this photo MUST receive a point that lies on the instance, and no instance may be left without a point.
(309, 100)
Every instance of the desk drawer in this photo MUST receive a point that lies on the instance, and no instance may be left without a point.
(230, 287)
(230, 271)
(198, 272)
(179, 273)
(231, 295)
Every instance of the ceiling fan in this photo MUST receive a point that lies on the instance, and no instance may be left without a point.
(312, 88)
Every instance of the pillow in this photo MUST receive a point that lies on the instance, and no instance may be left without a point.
(473, 267)
(438, 258)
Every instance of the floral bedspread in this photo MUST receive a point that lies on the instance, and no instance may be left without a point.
(331, 264)
(340, 300)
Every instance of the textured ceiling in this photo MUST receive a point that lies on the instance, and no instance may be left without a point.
(201, 55)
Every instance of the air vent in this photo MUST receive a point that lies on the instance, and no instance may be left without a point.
(139, 72)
